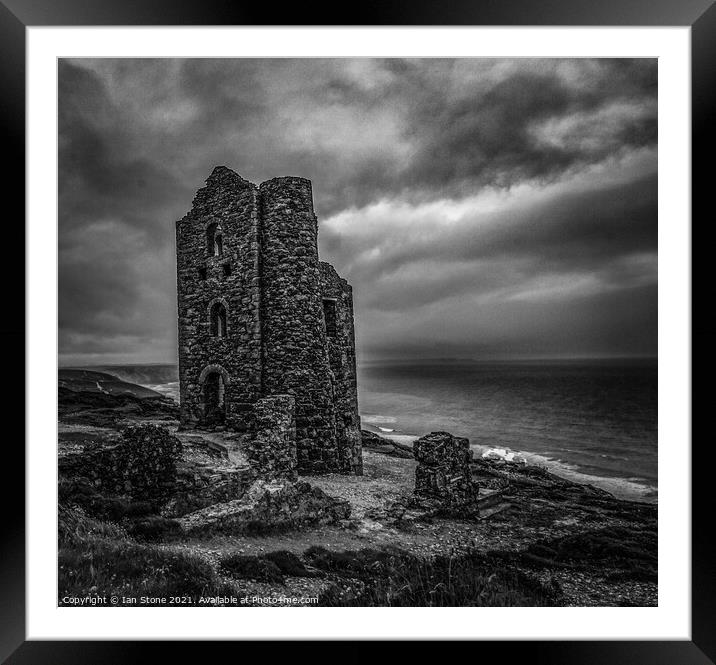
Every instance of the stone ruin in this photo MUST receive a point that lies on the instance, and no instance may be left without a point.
(141, 464)
(143, 476)
(443, 479)
(260, 317)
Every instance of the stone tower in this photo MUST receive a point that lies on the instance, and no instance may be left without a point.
(260, 315)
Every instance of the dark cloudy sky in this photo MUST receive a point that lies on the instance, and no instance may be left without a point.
(480, 208)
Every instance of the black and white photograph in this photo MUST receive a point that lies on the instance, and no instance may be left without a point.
(357, 332)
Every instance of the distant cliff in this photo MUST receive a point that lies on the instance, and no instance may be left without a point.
(142, 374)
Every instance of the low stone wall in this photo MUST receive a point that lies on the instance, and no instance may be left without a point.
(268, 507)
(143, 465)
(272, 449)
(443, 477)
(198, 487)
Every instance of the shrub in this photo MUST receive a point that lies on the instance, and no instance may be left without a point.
(624, 554)
(131, 569)
(74, 526)
(615, 545)
(155, 528)
(139, 508)
(81, 492)
(362, 563)
(99, 558)
(397, 579)
(251, 567)
(289, 564)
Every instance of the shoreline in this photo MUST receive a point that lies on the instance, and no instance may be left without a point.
(628, 489)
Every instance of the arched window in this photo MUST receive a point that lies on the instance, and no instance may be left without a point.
(214, 240)
(217, 318)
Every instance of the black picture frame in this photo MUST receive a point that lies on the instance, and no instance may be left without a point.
(17, 15)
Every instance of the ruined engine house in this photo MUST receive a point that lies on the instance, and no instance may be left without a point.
(260, 315)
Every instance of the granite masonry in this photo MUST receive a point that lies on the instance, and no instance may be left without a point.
(142, 464)
(443, 478)
(272, 450)
(261, 317)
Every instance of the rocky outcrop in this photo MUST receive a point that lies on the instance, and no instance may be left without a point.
(267, 507)
(443, 478)
(380, 444)
(200, 486)
(104, 409)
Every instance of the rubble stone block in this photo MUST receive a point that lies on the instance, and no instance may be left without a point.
(443, 477)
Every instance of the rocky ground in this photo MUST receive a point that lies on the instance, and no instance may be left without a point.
(343, 540)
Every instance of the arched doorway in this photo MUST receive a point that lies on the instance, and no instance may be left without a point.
(213, 386)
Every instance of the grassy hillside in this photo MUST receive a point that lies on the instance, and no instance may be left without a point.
(83, 380)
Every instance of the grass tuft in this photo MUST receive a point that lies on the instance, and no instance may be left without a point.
(99, 558)
(395, 579)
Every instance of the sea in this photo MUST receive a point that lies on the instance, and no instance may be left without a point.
(591, 421)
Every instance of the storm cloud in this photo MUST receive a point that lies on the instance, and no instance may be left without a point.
(480, 208)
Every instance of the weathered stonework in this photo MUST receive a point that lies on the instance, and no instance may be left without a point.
(268, 506)
(232, 360)
(272, 450)
(443, 476)
(338, 311)
(260, 316)
(198, 487)
(142, 465)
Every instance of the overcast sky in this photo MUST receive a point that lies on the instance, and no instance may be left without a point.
(480, 208)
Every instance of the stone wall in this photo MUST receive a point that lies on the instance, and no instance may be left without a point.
(295, 355)
(272, 449)
(266, 508)
(142, 466)
(342, 359)
(230, 280)
(199, 486)
(443, 477)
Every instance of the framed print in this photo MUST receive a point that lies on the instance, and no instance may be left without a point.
(384, 317)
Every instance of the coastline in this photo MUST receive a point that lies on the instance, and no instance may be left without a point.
(539, 540)
(628, 489)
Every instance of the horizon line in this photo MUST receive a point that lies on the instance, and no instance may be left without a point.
(451, 359)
